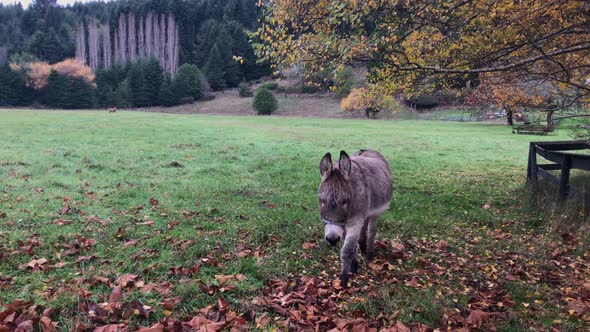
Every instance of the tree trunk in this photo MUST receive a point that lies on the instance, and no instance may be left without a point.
(106, 47)
(3, 55)
(132, 38)
(550, 122)
(93, 43)
(509, 118)
(81, 43)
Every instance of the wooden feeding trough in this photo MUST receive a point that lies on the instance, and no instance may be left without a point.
(563, 159)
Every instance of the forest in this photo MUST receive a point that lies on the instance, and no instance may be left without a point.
(130, 53)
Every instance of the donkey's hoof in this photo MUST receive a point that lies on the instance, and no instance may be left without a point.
(344, 280)
(354, 267)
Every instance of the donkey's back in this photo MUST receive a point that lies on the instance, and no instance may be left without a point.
(374, 174)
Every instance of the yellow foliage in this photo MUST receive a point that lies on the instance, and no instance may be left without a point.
(357, 100)
(547, 40)
(75, 68)
(360, 99)
(37, 73)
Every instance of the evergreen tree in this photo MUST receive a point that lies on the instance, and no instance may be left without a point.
(153, 80)
(214, 70)
(57, 87)
(11, 87)
(264, 102)
(187, 82)
(77, 94)
(167, 97)
(123, 95)
(138, 86)
(47, 46)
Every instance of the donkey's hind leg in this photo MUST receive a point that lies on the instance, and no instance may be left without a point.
(363, 239)
(371, 233)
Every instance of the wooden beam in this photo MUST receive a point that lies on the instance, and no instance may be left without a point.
(564, 178)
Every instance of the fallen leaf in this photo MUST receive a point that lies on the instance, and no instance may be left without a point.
(116, 298)
(154, 328)
(476, 318)
(441, 245)
(26, 326)
(34, 264)
(309, 245)
(109, 328)
(47, 325)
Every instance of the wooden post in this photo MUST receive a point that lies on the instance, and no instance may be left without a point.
(565, 178)
(586, 202)
(532, 167)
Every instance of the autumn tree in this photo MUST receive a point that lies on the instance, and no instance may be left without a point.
(413, 46)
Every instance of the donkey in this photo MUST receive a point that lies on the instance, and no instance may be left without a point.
(352, 196)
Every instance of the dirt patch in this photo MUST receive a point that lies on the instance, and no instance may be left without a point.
(230, 103)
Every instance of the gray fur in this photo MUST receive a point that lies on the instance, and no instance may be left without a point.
(353, 194)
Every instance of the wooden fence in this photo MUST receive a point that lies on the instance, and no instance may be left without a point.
(564, 161)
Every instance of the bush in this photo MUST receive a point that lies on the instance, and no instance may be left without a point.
(269, 85)
(245, 90)
(370, 102)
(264, 102)
(358, 100)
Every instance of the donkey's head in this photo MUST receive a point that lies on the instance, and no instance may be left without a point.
(334, 196)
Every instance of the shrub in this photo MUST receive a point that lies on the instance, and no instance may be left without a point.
(245, 90)
(370, 102)
(356, 101)
(264, 102)
(269, 85)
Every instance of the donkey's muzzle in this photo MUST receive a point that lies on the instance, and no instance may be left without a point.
(333, 241)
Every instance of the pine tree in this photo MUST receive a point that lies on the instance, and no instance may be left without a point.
(82, 93)
(233, 73)
(187, 82)
(11, 87)
(123, 95)
(57, 87)
(264, 102)
(137, 85)
(47, 46)
(167, 97)
(153, 80)
(78, 94)
(214, 70)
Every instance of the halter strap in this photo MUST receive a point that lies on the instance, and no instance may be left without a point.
(330, 222)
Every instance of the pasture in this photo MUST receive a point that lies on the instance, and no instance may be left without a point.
(133, 219)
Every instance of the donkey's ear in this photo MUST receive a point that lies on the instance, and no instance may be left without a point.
(326, 164)
(345, 164)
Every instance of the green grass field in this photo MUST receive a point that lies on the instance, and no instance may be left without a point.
(100, 196)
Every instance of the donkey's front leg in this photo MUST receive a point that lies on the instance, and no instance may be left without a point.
(348, 254)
